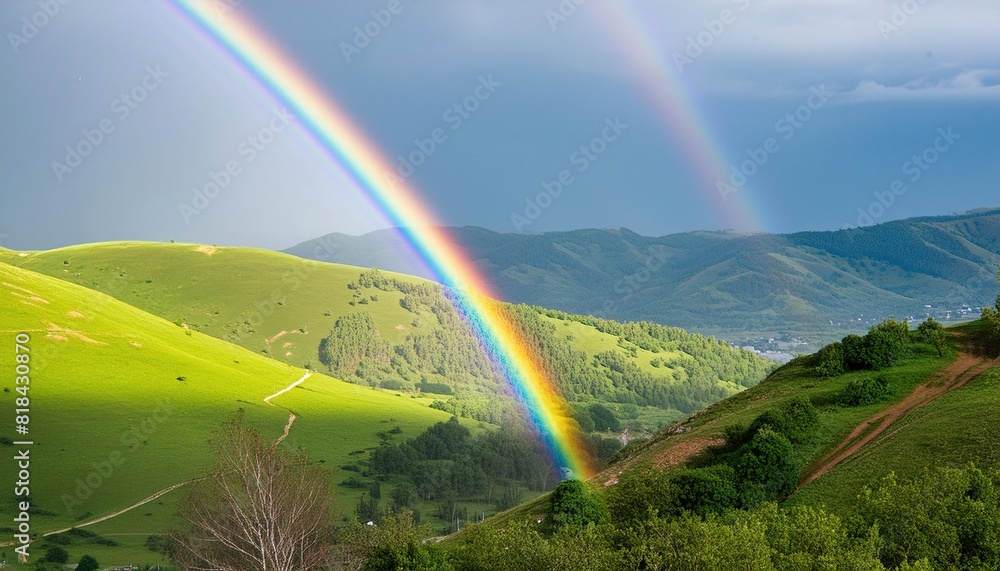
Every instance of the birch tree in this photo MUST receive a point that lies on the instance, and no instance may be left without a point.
(261, 508)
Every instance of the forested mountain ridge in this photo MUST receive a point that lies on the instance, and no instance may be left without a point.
(725, 283)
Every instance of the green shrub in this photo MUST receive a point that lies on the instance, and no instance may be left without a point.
(87, 563)
(703, 491)
(927, 328)
(991, 315)
(949, 516)
(855, 352)
(830, 360)
(884, 345)
(865, 391)
(795, 420)
(434, 388)
(395, 385)
(639, 493)
(766, 468)
(56, 554)
(572, 504)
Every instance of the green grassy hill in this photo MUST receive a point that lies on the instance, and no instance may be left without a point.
(953, 423)
(283, 307)
(122, 403)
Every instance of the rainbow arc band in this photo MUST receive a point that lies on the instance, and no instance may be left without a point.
(334, 133)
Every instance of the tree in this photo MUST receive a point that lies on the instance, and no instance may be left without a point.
(938, 339)
(927, 328)
(991, 315)
(883, 346)
(56, 554)
(87, 563)
(394, 544)
(404, 496)
(767, 467)
(367, 508)
(830, 360)
(260, 507)
(865, 391)
(573, 504)
(640, 494)
(950, 516)
(702, 491)
(604, 419)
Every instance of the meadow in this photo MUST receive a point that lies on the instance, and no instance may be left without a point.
(122, 403)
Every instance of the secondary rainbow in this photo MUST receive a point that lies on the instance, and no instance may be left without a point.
(630, 31)
(345, 143)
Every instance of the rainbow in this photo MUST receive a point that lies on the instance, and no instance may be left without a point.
(631, 32)
(334, 133)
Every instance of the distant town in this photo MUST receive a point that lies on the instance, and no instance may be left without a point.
(785, 347)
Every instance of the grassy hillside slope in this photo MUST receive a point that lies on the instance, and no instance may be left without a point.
(954, 426)
(282, 306)
(959, 427)
(122, 403)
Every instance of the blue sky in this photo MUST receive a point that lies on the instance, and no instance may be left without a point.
(903, 79)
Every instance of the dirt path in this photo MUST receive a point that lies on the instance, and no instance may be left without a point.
(157, 495)
(141, 503)
(289, 387)
(968, 366)
(291, 417)
(288, 427)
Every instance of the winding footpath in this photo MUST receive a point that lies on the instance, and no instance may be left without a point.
(157, 495)
(291, 415)
(288, 388)
(965, 368)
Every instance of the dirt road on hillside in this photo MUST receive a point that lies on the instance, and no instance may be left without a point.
(970, 364)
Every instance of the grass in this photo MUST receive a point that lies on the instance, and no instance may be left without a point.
(591, 341)
(122, 403)
(258, 299)
(279, 305)
(797, 379)
(959, 427)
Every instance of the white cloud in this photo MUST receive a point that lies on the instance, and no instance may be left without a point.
(972, 84)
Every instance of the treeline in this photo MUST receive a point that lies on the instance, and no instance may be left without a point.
(945, 519)
(447, 464)
(708, 370)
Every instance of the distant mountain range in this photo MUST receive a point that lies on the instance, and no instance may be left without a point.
(732, 285)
